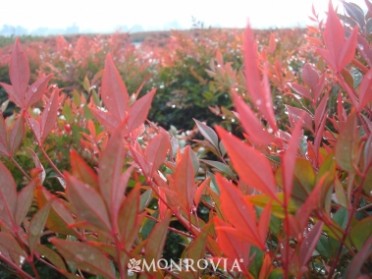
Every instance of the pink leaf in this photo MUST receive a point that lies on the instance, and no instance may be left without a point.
(8, 196)
(19, 72)
(37, 89)
(16, 135)
(88, 203)
(24, 201)
(157, 150)
(139, 110)
(4, 144)
(365, 91)
(309, 243)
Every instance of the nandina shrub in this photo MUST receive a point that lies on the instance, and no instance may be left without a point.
(286, 199)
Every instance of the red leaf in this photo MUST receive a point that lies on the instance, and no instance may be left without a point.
(85, 257)
(46, 122)
(24, 201)
(156, 239)
(87, 202)
(353, 270)
(264, 222)
(156, 151)
(139, 110)
(129, 220)
(289, 160)
(114, 93)
(252, 126)
(16, 135)
(183, 183)
(309, 243)
(110, 171)
(82, 171)
(8, 196)
(231, 243)
(239, 212)
(4, 144)
(253, 167)
(201, 190)
(37, 89)
(10, 247)
(19, 72)
(365, 90)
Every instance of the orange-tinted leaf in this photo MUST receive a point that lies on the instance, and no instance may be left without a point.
(201, 190)
(82, 171)
(239, 212)
(184, 184)
(114, 93)
(264, 222)
(87, 202)
(253, 168)
(8, 196)
(156, 151)
(85, 257)
(252, 126)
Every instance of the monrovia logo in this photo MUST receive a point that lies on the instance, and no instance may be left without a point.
(184, 265)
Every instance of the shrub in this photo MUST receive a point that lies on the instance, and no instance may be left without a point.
(287, 198)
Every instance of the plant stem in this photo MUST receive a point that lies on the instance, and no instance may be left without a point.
(19, 270)
(50, 161)
(20, 168)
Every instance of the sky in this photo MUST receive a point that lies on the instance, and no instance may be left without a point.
(113, 15)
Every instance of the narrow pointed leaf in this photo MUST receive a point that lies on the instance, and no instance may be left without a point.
(157, 150)
(239, 212)
(208, 133)
(184, 180)
(37, 226)
(139, 110)
(8, 196)
(88, 203)
(110, 170)
(24, 201)
(289, 160)
(49, 115)
(85, 257)
(253, 168)
(114, 93)
(82, 171)
(36, 91)
(16, 135)
(19, 72)
(4, 145)
(252, 126)
(309, 243)
(156, 239)
(9, 245)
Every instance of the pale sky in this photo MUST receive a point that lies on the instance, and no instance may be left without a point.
(109, 15)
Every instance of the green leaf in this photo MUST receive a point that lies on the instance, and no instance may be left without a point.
(85, 257)
(347, 144)
(37, 226)
(225, 169)
(361, 231)
(208, 133)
